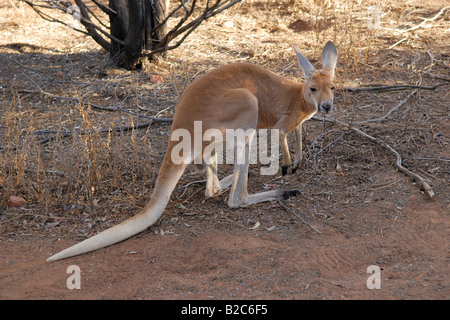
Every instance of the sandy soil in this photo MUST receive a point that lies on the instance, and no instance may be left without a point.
(246, 264)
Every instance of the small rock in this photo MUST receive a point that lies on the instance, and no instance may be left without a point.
(155, 78)
(15, 201)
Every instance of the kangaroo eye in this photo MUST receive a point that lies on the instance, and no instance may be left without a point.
(332, 88)
(313, 89)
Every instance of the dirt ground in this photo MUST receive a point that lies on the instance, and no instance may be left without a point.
(236, 263)
(359, 210)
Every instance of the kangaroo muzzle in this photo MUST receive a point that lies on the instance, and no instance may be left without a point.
(326, 107)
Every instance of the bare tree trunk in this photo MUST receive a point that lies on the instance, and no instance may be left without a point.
(160, 11)
(134, 24)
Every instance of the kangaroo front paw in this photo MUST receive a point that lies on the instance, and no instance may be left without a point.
(291, 193)
(284, 170)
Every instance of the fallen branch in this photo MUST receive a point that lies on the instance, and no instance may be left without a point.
(398, 164)
(78, 100)
(388, 114)
(84, 102)
(425, 20)
(114, 129)
(434, 159)
(392, 87)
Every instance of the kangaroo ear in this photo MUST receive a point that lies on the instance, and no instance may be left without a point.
(329, 57)
(306, 66)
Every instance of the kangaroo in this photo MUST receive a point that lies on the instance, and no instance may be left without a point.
(235, 96)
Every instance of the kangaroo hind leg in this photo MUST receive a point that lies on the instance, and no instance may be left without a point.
(239, 196)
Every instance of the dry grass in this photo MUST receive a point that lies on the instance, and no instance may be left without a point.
(94, 177)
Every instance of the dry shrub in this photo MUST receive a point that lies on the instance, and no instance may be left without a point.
(80, 173)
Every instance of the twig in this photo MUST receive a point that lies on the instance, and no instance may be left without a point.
(92, 28)
(185, 4)
(392, 87)
(425, 20)
(327, 146)
(387, 115)
(136, 114)
(97, 18)
(436, 159)
(188, 28)
(295, 214)
(78, 100)
(398, 164)
(47, 17)
(337, 284)
(105, 9)
(178, 34)
(398, 42)
(92, 105)
(114, 129)
(438, 76)
(313, 143)
(438, 61)
(187, 185)
(379, 187)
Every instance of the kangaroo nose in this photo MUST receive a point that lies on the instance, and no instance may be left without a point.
(326, 107)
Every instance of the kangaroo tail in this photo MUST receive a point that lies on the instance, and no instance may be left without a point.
(169, 175)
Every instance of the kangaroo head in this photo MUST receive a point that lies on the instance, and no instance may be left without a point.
(318, 88)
